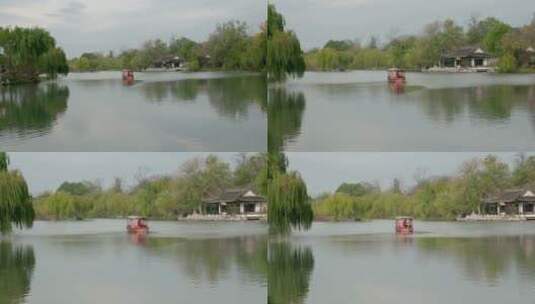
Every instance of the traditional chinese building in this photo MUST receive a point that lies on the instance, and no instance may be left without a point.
(467, 58)
(519, 202)
(232, 202)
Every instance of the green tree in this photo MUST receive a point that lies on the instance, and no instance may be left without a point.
(288, 203)
(78, 188)
(358, 189)
(493, 38)
(227, 44)
(30, 52)
(284, 54)
(15, 200)
(507, 63)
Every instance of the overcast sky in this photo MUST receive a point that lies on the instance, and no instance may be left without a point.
(46, 171)
(317, 21)
(324, 172)
(101, 25)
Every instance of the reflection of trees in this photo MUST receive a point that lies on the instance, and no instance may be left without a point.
(491, 103)
(289, 273)
(32, 107)
(212, 259)
(285, 115)
(486, 258)
(16, 269)
(229, 96)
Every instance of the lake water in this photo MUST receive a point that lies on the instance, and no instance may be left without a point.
(442, 263)
(359, 110)
(211, 111)
(97, 262)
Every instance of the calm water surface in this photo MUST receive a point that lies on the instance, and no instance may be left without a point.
(159, 112)
(97, 262)
(442, 263)
(359, 110)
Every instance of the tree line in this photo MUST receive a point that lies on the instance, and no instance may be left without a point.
(28, 53)
(444, 197)
(229, 47)
(424, 50)
(159, 197)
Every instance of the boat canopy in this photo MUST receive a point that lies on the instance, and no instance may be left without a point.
(135, 217)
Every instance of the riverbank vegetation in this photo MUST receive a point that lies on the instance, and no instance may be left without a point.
(15, 200)
(229, 47)
(424, 50)
(288, 200)
(28, 53)
(159, 197)
(284, 54)
(432, 198)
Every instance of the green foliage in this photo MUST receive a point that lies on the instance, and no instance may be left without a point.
(284, 54)
(15, 200)
(163, 197)
(275, 21)
(358, 189)
(425, 50)
(507, 63)
(524, 172)
(54, 62)
(339, 45)
(80, 188)
(229, 47)
(437, 198)
(493, 38)
(227, 44)
(288, 203)
(29, 52)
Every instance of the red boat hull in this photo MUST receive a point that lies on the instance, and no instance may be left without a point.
(137, 229)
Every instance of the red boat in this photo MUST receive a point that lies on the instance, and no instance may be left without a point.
(396, 75)
(137, 224)
(404, 225)
(128, 76)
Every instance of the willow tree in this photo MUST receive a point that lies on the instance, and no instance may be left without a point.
(29, 52)
(284, 54)
(15, 200)
(288, 201)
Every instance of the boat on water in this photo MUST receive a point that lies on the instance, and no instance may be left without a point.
(137, 224)
(404, 225)
(396, 75)
(128, 76)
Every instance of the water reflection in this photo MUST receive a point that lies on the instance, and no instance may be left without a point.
(32, 108)
(285, 115)
(397, 87)
(367, 116)
(17, 263)
(229, 96)
(488, 103)
(485, 259)
(290, 269)
(158, 112)
(214, 259)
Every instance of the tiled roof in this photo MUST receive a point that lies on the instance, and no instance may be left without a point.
(509, 196)
(235, 195)
(467, 52)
